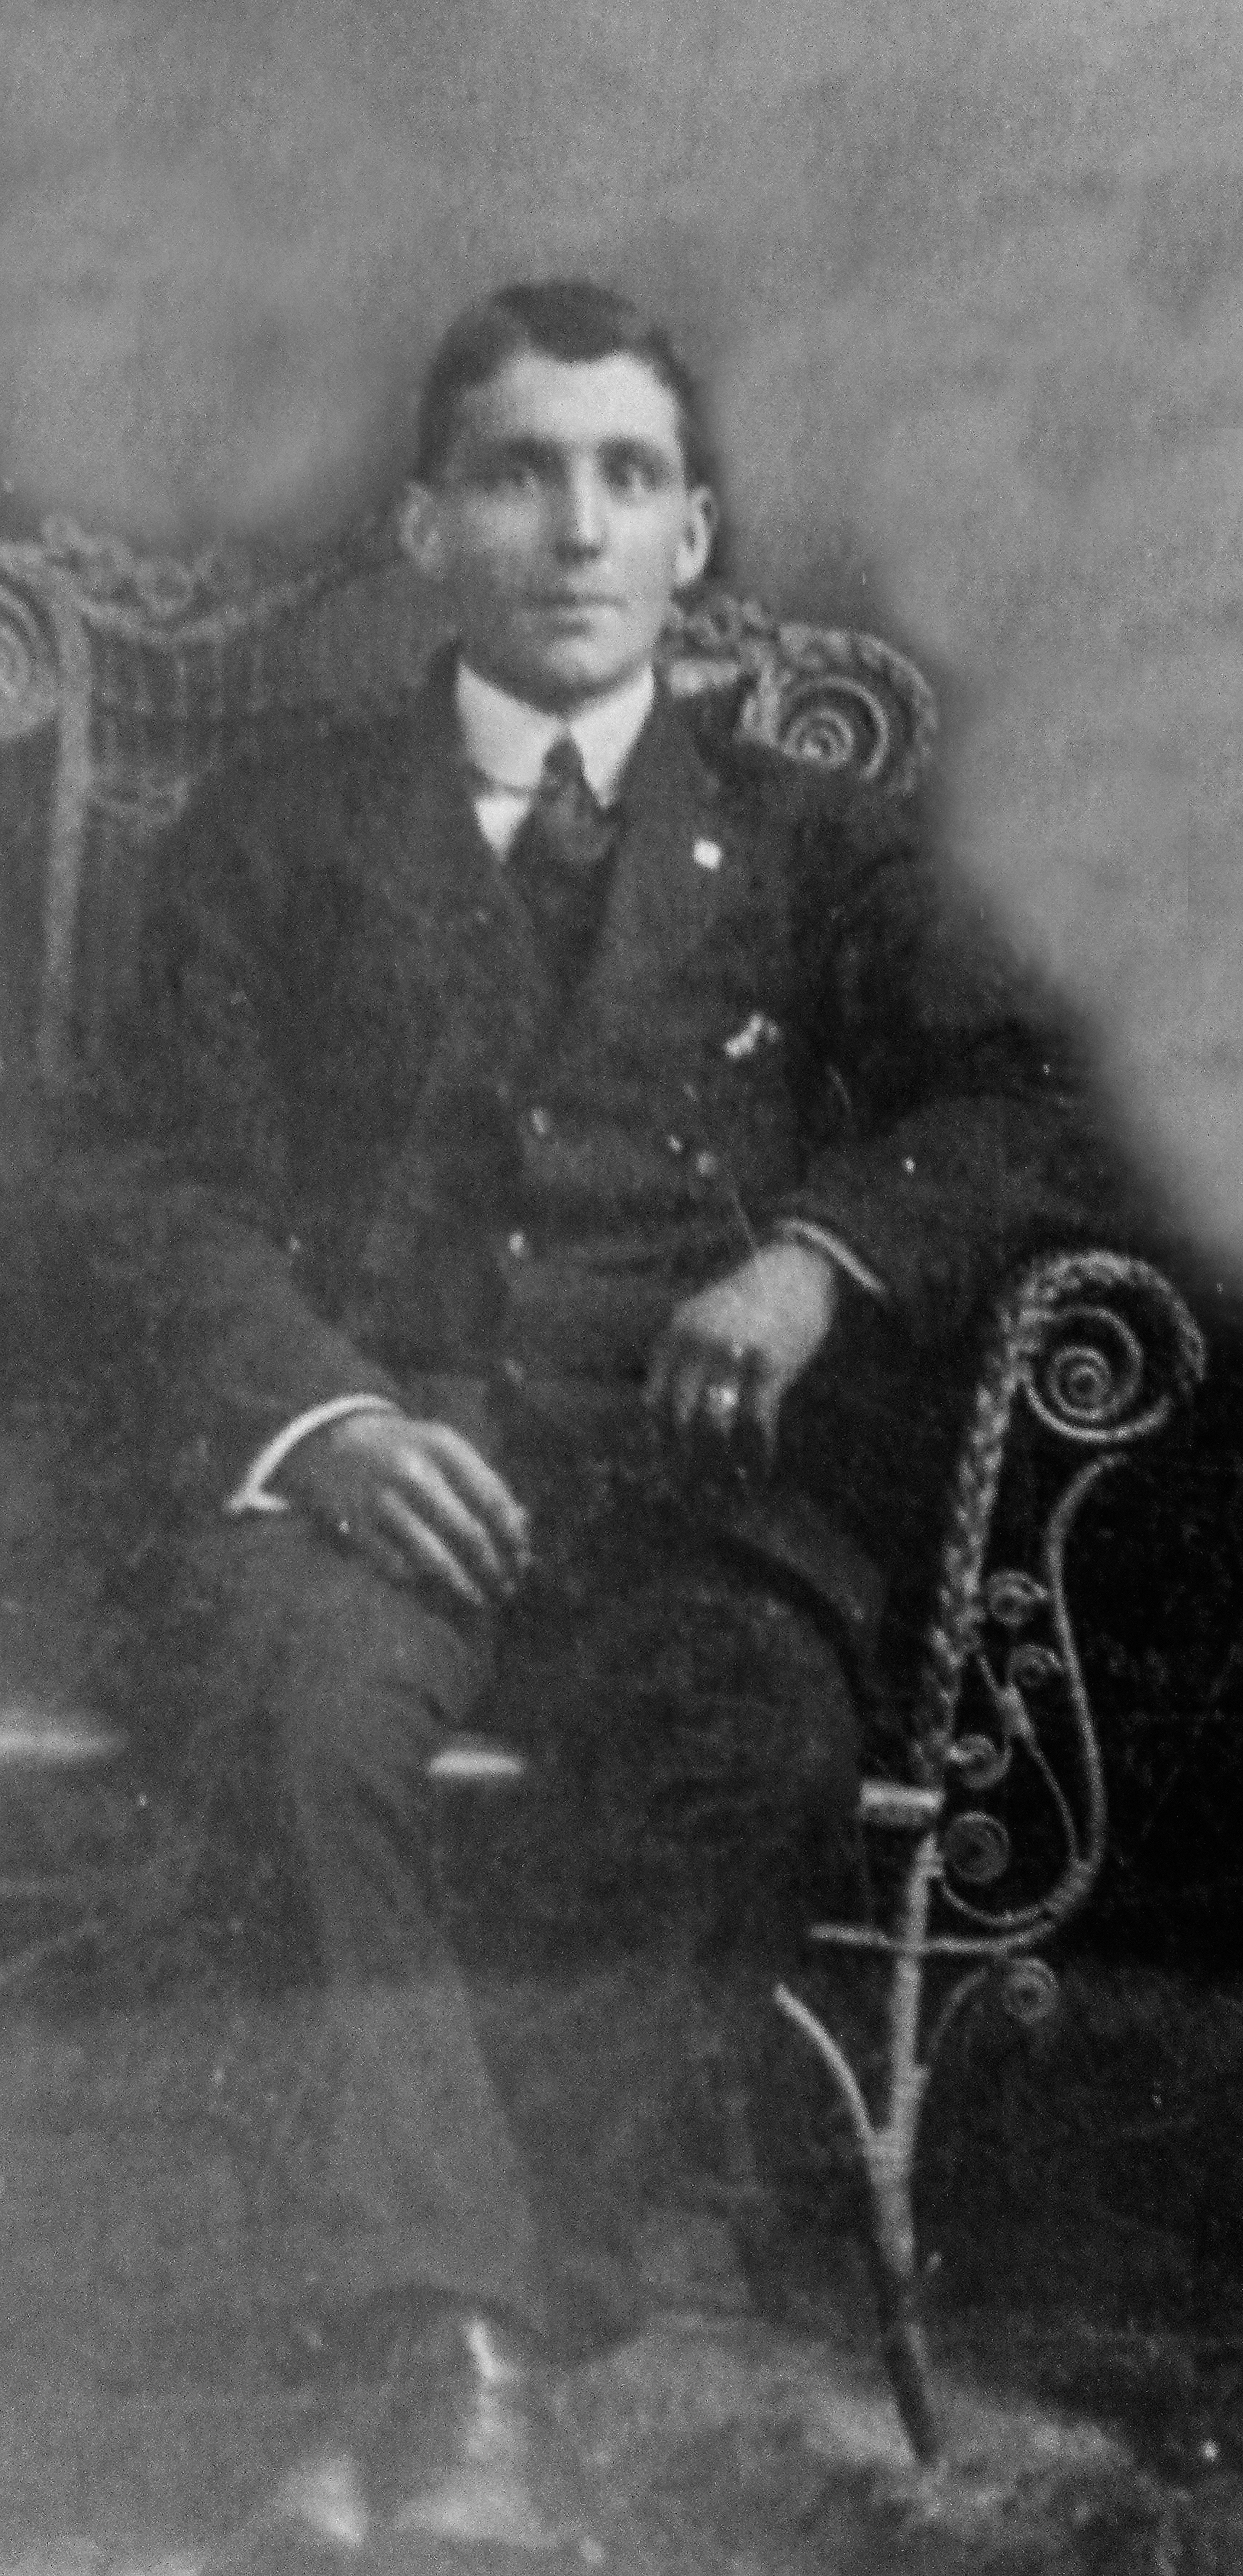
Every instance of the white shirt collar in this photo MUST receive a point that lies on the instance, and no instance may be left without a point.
(507, 742)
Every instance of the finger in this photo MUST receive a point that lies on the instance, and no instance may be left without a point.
(729, 1430)
(725, 1373)
(766, 1411)
(702, 1387)
(759, 1405)
(721, 1399)
(434, 1503)
(726, 1441)
(387, 1557)
(478, 1483)
(359, 1533)
(675, 1367)
(689, 1376)
(428, 1553)
(466, 1541)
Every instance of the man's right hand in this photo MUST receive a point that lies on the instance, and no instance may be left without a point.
(416, 1499)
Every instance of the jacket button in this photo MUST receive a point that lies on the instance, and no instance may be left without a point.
(706, 1167)
(518, 1245)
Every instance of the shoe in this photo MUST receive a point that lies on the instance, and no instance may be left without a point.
(511, 2483)
(593, 2303)
(317, 2516)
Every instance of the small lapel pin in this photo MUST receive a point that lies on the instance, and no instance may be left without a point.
(756, 1032)
(707, 854)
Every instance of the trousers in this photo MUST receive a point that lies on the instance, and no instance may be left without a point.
(687, 1729)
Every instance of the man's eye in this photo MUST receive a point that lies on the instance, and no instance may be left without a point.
(504, 474)
(512, 474)
(632, 475)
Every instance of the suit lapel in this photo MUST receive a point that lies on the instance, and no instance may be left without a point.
(669, 874)
(454, 932)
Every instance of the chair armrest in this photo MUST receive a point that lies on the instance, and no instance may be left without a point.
(1089, 1356)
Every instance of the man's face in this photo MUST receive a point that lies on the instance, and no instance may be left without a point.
(562, 525)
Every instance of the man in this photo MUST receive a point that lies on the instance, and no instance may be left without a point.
(535, 1095)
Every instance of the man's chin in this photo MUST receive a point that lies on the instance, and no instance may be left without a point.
(566, 674)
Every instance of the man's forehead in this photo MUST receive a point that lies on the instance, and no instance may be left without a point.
(572, 403)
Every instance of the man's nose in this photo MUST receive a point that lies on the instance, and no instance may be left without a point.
(580, 516)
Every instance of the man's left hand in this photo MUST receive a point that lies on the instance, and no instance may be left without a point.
(732, 1353)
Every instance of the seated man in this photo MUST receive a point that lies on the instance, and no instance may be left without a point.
(527, 1092)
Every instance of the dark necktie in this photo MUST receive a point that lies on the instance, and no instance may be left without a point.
(560, 862)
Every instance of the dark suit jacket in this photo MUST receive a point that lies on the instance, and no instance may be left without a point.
(391, 1152)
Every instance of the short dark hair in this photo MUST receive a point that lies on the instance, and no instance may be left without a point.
(561, 317)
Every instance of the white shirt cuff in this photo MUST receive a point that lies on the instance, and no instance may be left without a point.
(252, 1494)
(817, 1238)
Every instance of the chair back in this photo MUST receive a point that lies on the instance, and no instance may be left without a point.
(123, 677)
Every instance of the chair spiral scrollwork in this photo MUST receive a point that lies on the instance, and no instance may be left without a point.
(828, 697)
(28, 659)
(1092, 1351)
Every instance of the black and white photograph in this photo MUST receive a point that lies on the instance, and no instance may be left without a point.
(621, 1292)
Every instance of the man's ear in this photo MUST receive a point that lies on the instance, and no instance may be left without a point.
(697, 538)
(419, 532)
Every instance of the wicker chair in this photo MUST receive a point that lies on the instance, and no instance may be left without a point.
(123, 678)
(120, 681)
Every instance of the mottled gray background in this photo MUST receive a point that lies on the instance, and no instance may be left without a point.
(967, 275)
